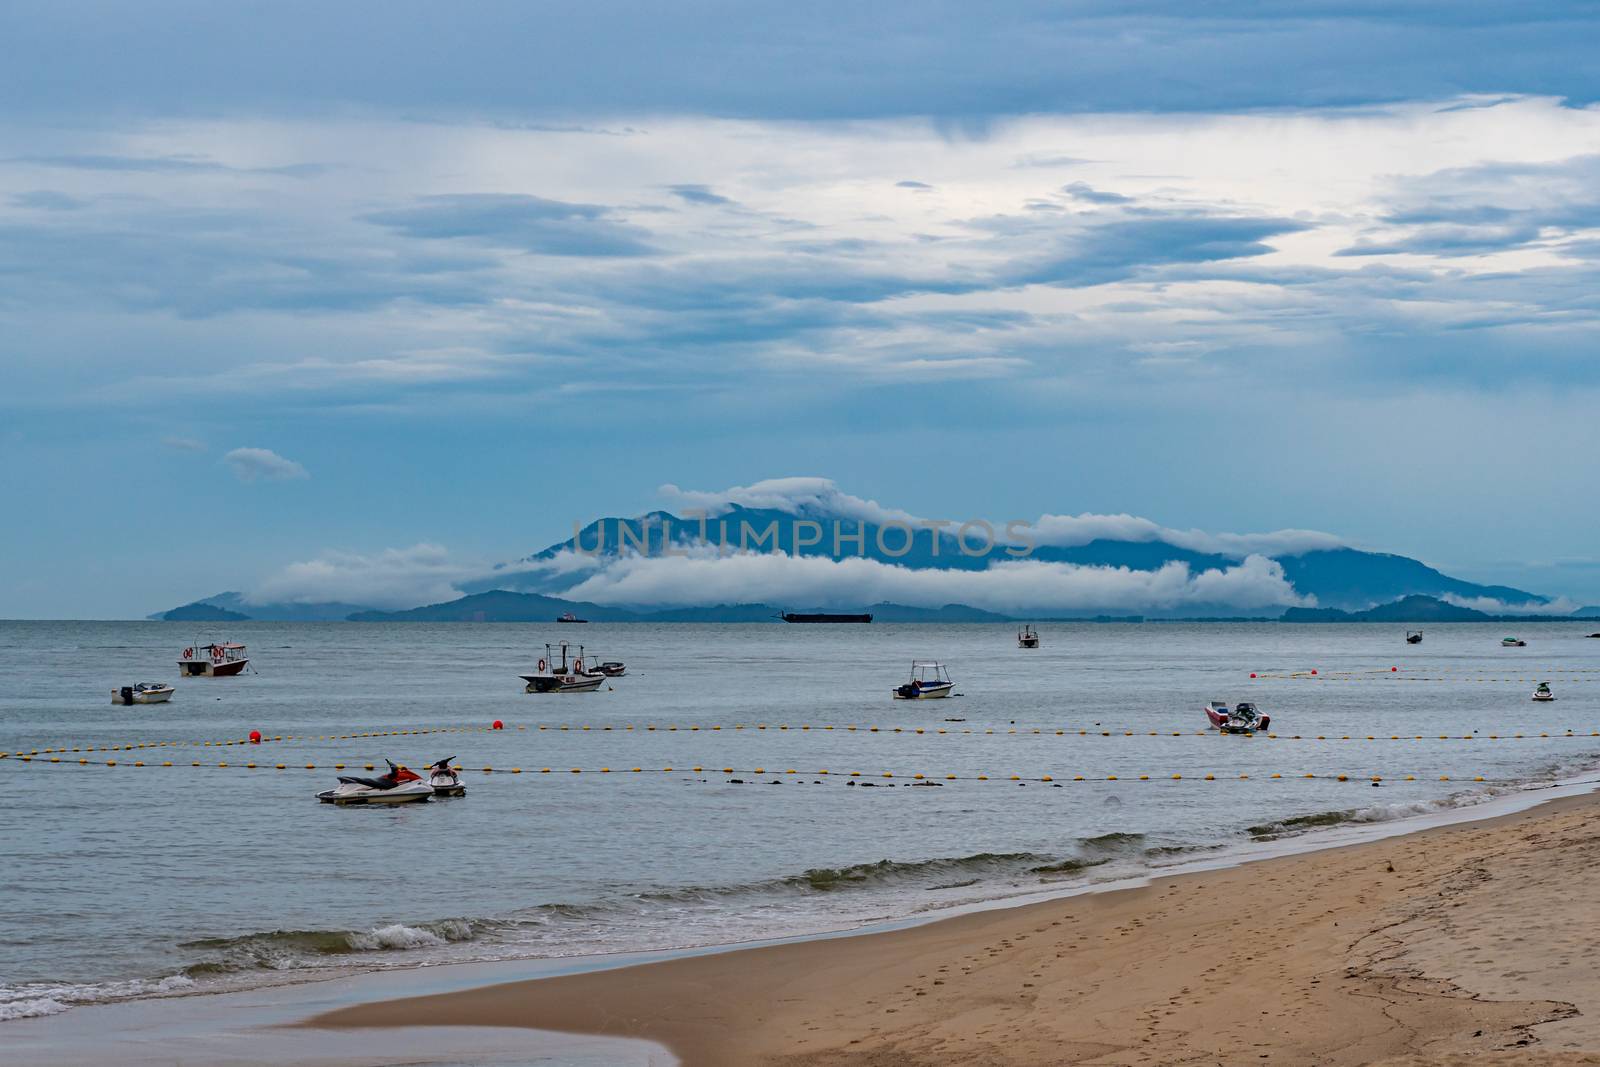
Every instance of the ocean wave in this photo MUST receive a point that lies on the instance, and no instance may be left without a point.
(31, 1000)
(288, 949)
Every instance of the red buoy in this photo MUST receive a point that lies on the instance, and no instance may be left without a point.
(1252, 674)
(1313, 670)
(498, 725)
(255, 737)
(1393, 669)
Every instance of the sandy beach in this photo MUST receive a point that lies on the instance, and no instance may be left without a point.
(1472, 943)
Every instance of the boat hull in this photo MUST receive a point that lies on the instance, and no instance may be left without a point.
(148, 696)
(194, 668)
(410, 793)
(928, 693)
(562, 683)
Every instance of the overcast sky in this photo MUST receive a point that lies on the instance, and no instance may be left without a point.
(282, 285)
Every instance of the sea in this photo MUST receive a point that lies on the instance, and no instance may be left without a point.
(740, 782)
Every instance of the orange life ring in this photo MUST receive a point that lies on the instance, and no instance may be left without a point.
(541, 665)
(188, 653)
(577, 665)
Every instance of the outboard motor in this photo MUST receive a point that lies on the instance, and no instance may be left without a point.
(127, 695)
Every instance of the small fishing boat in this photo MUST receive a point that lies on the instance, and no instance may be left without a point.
(570, 617)
(612, 668)
(142, 693)
(1027, 637)
(1512, 642)
(444, 779)
(1542, 693)
(1243, 719)
(823, 616)
(1413, 637)
(566, 674)
(929, 680)
(213, 661)
(401, 785)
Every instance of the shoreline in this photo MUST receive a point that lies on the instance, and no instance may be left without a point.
(947, 989)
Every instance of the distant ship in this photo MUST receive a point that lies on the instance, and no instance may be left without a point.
(795, 616)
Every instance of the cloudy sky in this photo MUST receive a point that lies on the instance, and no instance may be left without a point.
(284, 287)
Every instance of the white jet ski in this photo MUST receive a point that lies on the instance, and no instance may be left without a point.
(400, 786)
(1543, 693)
(445, 781)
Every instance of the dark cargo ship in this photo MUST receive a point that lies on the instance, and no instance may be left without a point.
(795, 616)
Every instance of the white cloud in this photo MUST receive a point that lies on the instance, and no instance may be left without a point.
(1025, 586)
(184, 444)
(1069, 530)
(1492, 606)
(393, 578)
(797, 496)
(263, 464)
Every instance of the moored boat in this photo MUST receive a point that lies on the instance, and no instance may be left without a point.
(1245, 718)
(444, 779)
(1512, 642)
(213, 660)
(612, 668)
(561, 672)
(929, 681)
(1027, 637)
(822, 616)
(570, 617)
(401, 785)
(1413, 637)
(142, 693)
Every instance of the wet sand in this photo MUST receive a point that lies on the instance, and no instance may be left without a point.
(1475, 943)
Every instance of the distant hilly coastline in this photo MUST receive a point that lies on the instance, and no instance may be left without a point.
(502, 606)
(1108, 567)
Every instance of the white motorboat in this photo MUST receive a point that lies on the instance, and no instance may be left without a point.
(401, 785)
(612, 668)
(1512, 642)
(1027, 637)
(1542, 693)
(213, 660)
(929, 681)
(444, 779)
(1245, 718)
(566, 674)
(142, 693)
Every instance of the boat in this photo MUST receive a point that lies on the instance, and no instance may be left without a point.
(142, 693)
(612, 668)
(1512, 642)
(1413, 637)
(1243, 719)
(1027, 637)
(400, 785)
(822, 616)
(213, 661)
(929, 680)
(444, 779)
(564, 675)
(570, 617)
(1542, 693)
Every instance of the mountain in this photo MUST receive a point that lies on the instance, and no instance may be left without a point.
(1346, 578)
(232, 607)
(502, 606)
(1410, 609)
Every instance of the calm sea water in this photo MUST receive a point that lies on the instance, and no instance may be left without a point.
(134, 881)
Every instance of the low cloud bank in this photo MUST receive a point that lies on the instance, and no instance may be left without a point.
(1256, 583)
(394, 578)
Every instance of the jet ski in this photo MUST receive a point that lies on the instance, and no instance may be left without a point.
(445, 781)
(400, 786)
(1243, 719)
(1543, 692)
